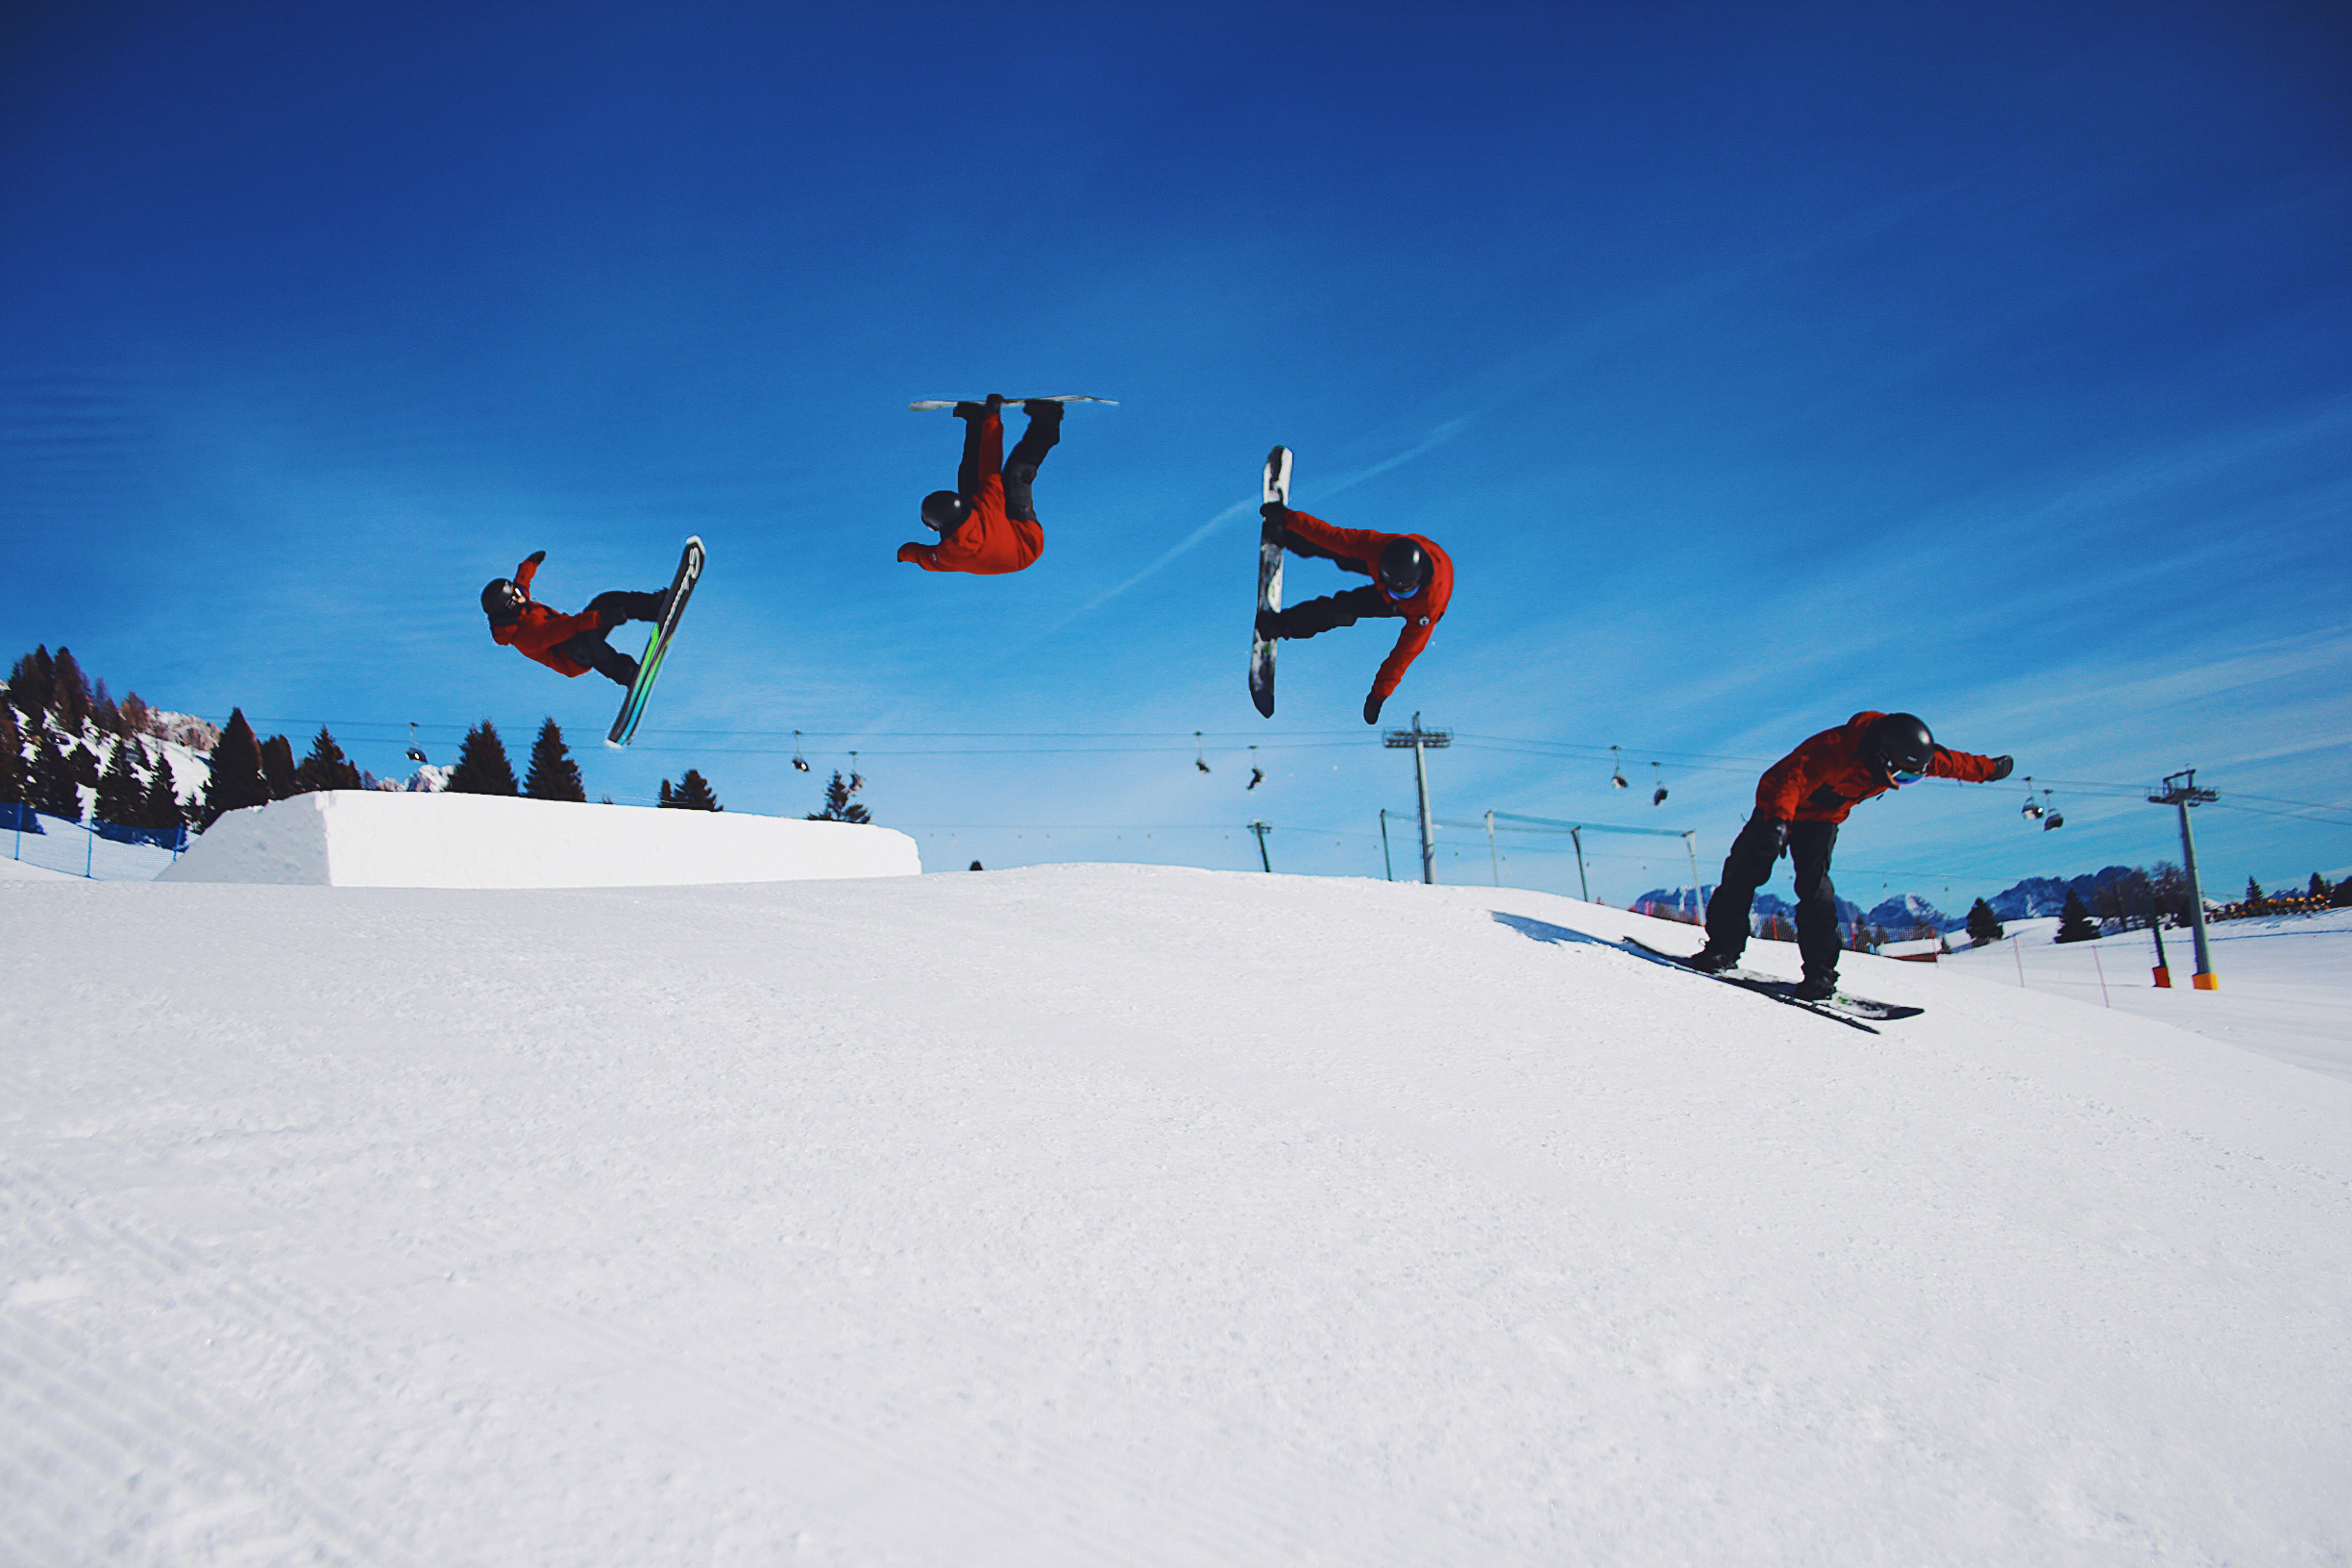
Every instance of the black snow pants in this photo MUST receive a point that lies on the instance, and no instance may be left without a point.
(612, 610)
(1043, 434)
(1750, 865)
(1312, 616)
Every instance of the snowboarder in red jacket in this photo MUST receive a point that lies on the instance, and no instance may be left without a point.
(1412, 580)
(1799, 802)
(988, 523)
(570, 645)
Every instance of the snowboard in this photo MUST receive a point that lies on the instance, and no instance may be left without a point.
(925, 405)
(657, 646)
(1269, 581)
(1847, 1010)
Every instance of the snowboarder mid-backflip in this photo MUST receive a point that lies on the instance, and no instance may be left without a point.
(1799, 802)
(570, 645)
(1411, 578)
(988, 523)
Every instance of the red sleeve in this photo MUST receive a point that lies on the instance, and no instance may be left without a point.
(1965, 766)
(920, 554)
(523, 575)
(1357, 549)
(1409, 646)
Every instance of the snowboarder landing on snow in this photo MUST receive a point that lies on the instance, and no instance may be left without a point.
(1412, 579)
(570, 645)
(1799, 802)
(988, 523)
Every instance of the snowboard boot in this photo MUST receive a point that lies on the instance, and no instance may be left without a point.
(971, 410)
(1709, 961)
(1044, 409)
(1815, 988)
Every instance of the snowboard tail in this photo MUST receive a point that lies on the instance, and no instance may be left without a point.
(1269, 581)
(1850, 1011)
(657, 646)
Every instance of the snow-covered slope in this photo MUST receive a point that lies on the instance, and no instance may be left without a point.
(1103, 1215)
(2286, 981)
(375, 839)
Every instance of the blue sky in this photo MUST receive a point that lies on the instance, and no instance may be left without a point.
(1755, 364)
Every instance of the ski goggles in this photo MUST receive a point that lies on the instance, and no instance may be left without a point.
(1906, 776)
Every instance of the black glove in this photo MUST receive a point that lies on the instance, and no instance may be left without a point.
(1775, 832)
(1372, 707)
(2002, 767)
(1273, 511)
(537, 556)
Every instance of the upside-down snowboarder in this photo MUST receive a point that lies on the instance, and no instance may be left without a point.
(988, 523)
(570, 645)
(1799, 802)
(1412, 579)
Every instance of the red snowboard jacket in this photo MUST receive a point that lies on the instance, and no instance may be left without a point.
(541, 629)
(987, 542)
(1359, 550)
(1826, 777)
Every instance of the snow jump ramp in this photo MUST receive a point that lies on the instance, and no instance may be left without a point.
(377, 839)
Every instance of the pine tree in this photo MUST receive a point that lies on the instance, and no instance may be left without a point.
(483, 767)
(137, 717)
(2254, 894)
(554, 775)
(326, 767)
(31, 681)
(278, 768)
(2074, 922)
(693, 793)
(120, 796)
(161, 808)
(12, 759)
(235, 780)
(2321, 891)
(54, 788)
(70, 697)
(1983, 926)
(838, 806)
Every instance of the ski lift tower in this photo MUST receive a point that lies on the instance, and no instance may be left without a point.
(2181, 789)
(1420, 740)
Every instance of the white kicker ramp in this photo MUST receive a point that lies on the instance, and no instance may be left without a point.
(377, 839)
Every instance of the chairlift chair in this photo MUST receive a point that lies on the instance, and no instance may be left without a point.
(1200, 757)
(1659, 778)
(1617, 778)
(416, 753)
(2050, 816)
(800, 762)
(2031, 810)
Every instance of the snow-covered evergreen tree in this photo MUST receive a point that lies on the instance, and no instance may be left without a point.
(554, 775)
(838, 806)
(693, 793)
(120, 795)
(483, 767)
(2074, 922)
(1983, 926)
(236, 780)
(326, 767)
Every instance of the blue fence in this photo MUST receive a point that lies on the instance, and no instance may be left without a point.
(17, 821)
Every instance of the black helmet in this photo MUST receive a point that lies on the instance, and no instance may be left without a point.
(502, 601)
(1898, 743)
(1403, 567)
(946, 510)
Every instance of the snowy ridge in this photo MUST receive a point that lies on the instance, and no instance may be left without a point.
(376, 839)
(1121, 1215)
